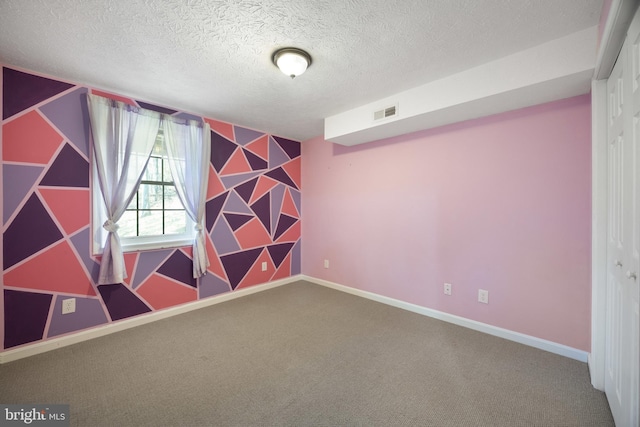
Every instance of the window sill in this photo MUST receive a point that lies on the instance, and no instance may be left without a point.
(151, 246)
(139, 247)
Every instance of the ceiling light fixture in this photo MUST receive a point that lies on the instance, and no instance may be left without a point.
(291, 61)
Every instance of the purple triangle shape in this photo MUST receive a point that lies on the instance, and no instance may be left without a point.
(31, 230)
(279, 252)
(237, 265)
(246, 190)
(284, 223)
(23, 90)
(262, 210)
(280, 175)
(255, 162)
(179, 267)
(121, 302)
(213, 208)
(292, 148)
(157, 108)
(69, 169)
(25, 316)
(221, 150)
(236, 220)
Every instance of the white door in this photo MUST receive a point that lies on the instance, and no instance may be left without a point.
(616, 240)
(623, 137)
(632, 287)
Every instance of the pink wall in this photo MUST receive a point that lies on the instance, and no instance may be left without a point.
(500, 203)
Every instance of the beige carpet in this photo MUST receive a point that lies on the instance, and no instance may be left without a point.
(300, 355)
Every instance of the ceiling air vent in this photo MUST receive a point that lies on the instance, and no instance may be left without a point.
(385, 113)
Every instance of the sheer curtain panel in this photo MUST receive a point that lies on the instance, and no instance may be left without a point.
(189, 151)
(123, 137)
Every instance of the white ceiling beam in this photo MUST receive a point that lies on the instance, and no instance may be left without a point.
(555, 70)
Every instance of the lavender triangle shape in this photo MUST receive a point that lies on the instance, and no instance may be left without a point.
(236, 205)
(223, 239)
(245, 136)
(17, 181)
(233, 180)
(148, 262)
(277, 156)
(70, 115)
(82, 243)
(277, 194)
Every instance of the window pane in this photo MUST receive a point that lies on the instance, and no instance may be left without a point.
(134, 203)
(150, 223)
(167, 171)
(154, 170)
(150, 196)
(171, 199)
(127, 224)
(137, 160)
(158, 147)
(175, 222)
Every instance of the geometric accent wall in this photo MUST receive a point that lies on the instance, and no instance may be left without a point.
(252, 217)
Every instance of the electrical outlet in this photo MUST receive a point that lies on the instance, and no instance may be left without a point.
(447, 288)
(68, 305)
(326, 263)
(483, 296)
(264, 265)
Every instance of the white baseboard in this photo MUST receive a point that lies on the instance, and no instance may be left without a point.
(74, 338)
(531, 341)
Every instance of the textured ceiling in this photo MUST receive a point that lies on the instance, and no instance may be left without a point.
(213, 57)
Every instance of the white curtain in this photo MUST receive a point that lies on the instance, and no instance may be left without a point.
(123, 137)
(189, 150)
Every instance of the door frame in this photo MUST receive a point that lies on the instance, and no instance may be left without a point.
(615, 31)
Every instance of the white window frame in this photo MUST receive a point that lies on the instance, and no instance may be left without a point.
(130, 244)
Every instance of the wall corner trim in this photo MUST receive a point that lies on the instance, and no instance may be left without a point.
(28, 350)
(531, 341)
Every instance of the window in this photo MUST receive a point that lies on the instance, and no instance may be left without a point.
(155, 218)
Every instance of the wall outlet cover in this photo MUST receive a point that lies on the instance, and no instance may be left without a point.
(483, 296)
(447, 288)
(68, 305)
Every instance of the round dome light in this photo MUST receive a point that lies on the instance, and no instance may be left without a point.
(291, 61)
